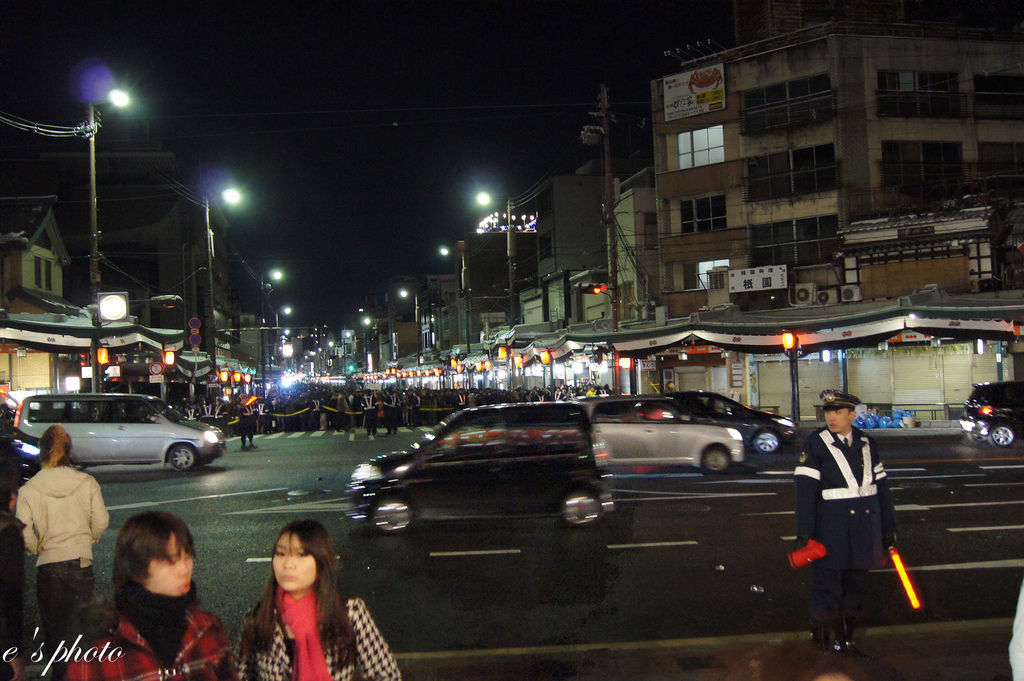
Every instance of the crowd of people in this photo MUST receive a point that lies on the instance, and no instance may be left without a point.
(314, 406)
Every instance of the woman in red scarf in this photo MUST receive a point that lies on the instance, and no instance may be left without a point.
(303, 629)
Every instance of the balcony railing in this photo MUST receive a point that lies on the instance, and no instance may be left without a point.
(892, 103)
(789, 114)
(999, 105)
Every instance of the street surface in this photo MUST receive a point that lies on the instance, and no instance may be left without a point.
(685, 555)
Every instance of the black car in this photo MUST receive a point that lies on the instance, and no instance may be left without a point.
(495, 461)
(23, 455)
(995, 411)
(763, 432)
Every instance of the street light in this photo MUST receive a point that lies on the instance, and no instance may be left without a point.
(119, 99)
(230, 196)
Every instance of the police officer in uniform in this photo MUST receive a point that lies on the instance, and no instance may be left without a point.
(842, 501)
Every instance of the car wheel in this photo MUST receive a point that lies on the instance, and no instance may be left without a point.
(715, 459)
(182, 457)
(581, 507)
(391, 515)
(1003, 435)
(766, 441)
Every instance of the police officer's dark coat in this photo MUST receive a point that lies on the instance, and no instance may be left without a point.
(843, 500)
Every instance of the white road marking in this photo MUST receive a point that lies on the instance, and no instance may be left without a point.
(990, 528)
(908, 507)
(351, 436)
(789, 472)
(992, 484)
(489, 552)
(653, 544)
(980, 565)
(988, 468)
(657, 475)
(929, 477)
(274, 435)
(692, 496)
(298, 433)
(144, 504)
(905, 470)
(319, 433)
(750, 481)
(324, 506)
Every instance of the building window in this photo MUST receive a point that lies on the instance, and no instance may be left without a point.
(1000, 158)
(701, 147)
(999, 97)
(785, 105)
(803, 241)
(690, 276)
(797, 171)
(918, 94)
(48, 275)
(921, 164)
(544, 247)
(705, 214)
(39, 272)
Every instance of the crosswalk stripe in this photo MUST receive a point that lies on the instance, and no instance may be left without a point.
(275, 435)
(319, 433)
(296, 434)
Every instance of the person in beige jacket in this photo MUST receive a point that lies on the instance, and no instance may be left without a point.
(64, 515)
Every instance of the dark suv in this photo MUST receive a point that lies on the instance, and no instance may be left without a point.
(995, 411)
(763, 432)
(494, 461)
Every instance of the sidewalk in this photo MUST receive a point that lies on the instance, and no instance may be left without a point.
(941, 651)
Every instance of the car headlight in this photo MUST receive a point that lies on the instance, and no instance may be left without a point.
(365, 471)
(786, 423)
(734, 434)
(211, 436)
(28, 449)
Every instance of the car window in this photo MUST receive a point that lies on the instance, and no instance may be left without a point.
(656, 411)
(130, 411)
(615, 412)
(480, 436)
(1013, 394)
(543, 432)
(721, 407)
(46, 412)
(700, 405)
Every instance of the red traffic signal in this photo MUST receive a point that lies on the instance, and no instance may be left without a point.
(598, 289)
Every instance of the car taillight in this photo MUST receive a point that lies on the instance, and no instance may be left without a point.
(986, 410)
(600, 452)
(17, 415)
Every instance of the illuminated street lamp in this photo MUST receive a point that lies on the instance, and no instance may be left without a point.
(230, 196)
(119, 99)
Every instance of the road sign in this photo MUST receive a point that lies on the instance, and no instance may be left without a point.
(194, 323)
(156, 368)
(156, 379)
(194, 340)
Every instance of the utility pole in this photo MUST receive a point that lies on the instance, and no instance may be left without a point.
(511, 252)
(608, 215)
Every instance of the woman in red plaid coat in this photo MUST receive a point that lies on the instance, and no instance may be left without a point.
(157, 632)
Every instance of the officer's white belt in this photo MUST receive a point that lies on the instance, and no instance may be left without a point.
(849, 492)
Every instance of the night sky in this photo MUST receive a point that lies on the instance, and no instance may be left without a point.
(359, 131)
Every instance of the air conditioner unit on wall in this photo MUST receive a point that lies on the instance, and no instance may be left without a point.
(804, 294)
(850, 293)
(828, 296)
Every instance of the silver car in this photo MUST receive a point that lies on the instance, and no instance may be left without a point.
(638, 429)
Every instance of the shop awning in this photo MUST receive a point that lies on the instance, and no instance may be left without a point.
(67, 333)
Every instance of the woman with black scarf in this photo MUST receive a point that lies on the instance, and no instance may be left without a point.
(157, 630)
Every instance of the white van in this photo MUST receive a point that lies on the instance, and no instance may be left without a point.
(120, 429)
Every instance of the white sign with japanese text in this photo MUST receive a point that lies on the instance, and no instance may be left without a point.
(758, 279)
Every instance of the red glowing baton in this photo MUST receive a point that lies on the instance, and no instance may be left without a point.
(905, 578)
(249, 401)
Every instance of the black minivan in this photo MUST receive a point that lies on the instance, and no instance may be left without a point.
(763, 432)
(995, 411)
(530, 459)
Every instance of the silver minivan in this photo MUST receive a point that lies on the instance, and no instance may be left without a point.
(120, 429)
(645, 430)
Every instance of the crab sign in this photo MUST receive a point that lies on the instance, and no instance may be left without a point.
(705, 79)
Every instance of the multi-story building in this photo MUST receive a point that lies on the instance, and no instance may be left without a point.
(841, 153)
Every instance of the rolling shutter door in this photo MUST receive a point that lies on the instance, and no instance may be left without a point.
(918, 377)
(691, 378)
(956, 376)
(983, 367)
(871, 378)
(814, 376)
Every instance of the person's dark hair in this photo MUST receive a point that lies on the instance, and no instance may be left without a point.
(144, 538)
(10, 481)
(55, 446)
(331, 611)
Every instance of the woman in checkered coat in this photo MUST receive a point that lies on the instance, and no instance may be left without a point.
(303, 629)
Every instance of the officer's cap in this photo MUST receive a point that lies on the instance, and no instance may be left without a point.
(834, 399)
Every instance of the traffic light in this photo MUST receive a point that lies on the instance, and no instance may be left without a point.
(102, 356)
(597, 289)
